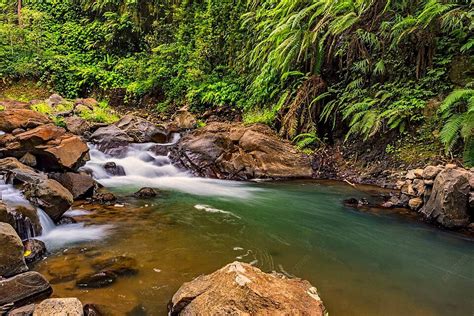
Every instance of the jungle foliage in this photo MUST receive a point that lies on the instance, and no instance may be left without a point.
(309, 68)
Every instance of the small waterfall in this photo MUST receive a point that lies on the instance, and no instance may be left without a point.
(46, 222)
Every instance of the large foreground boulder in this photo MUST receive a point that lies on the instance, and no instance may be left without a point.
(241, 289)
(23, 289)
(448, 203)
(51, 148)
(11, 252)
(235, 151)
(12, 119)
(59, 307)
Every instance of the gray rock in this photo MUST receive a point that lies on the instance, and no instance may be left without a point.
(80, 185)
(26, 310)
(448, 203)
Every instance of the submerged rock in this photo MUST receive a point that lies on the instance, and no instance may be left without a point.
(235, 151)
(12, 119)
(97, 280)
(448, 203)
(59, 306)
(120, 265)
(145, 193)
(24, 288)
(241, 289)
(11, 253)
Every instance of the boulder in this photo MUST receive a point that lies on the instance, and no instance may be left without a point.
(50, 196)
(145, 193)
(79, 184)
(52, 148)
(448, 202)
(183, 120)
(241, 289)
(34, 250)
(415, 203)
(12, 119)
(59, 307)
(11, 249)
(18, 173)
(141, 130)
(106, 197)
(55, 100)
(24, 288)
(235, 151)
(77, 125)
(110, 137)
(430, 172)
(113, 169)
(24, 219)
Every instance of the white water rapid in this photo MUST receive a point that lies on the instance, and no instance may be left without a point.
(144, 168)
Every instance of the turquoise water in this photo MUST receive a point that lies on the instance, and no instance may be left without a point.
(363, 263)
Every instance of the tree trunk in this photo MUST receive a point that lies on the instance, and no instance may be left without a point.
(19, 12)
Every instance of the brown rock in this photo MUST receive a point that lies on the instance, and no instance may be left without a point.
(418, 173)
(80, 185)
(22, 218)
(34, 250)
(59, 307)
(419, 187)
(51, 196)
(234, 151)
(450, 166)
(183, 119)
(140, 130)
(11, 119)
(430, 172)
(415, 203)
(448, 203)
(55, 100)
(145, 193)
(11, 249)
(241, 289)
(24, 288)
(28, 159)
(26, 310)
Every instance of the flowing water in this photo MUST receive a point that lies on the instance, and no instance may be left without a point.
(363, 263)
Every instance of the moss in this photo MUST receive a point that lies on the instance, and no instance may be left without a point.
(42, 107)
(24, 91)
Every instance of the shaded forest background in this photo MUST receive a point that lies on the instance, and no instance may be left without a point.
(317, 71)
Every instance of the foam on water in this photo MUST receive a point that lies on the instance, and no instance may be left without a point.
(211, 209)
(143, 168)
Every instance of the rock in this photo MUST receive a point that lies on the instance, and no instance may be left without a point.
(410, 175)
(12, 119)
(418, 187)
(26, 310)
(353, 202)
(17, 131)
(50, 196)
(52, 147)
(448, 203)
(97, 280)
(234, 151)
(430, 172)
(400, 200)
(408, 189)
(77, 125)
(24, 288)
(241, 289)
(145, 193)
(11, 249)
(28, 159)
(34, 250)
(415, 203)
(63, 271)
(80, 185)
(471, 199)
(113, 169)
(91, 310)
(141, 131)
(428, 182)
(450, 166)
(110, 137)
(66, 220)
(418, 173)
(24, 219)
(88, 102)
(120, 265)
(55, 100)
(183, 119)
(59, 307)
(105, 197)
(18, 173)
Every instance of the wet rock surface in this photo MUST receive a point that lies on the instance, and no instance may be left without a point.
(23, 219)
(23, 289)
(79, 184)
(26, 310)
(234, 151)
(113, 169)
(241, 289)
(145, 193)
(97, 280)
(11, 252)
(35, 250)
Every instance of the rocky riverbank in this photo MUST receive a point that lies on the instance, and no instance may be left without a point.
(43, 160)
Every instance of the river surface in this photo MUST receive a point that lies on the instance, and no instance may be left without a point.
(363, 263)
